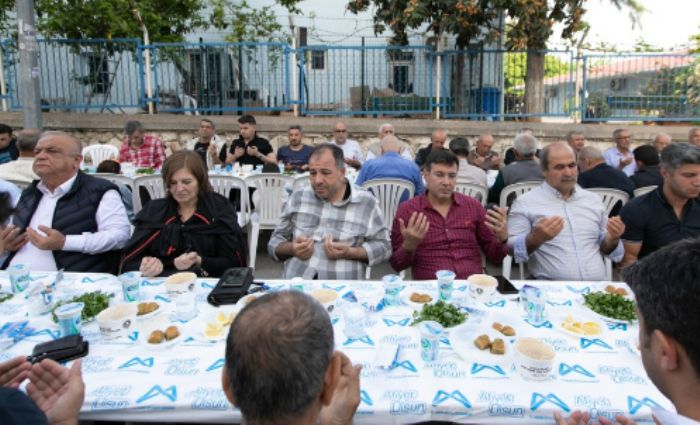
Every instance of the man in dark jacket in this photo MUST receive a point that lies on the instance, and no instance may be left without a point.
(648, 168)
(67, 220)
(595, 173)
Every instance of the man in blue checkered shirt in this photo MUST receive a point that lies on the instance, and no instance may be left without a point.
(332, 229)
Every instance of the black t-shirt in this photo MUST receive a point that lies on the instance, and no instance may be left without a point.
(202, 149)
(16, 408)
(650, 219)
(648, 176)
(263, 146)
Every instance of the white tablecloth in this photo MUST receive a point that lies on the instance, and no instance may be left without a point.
(128, 381)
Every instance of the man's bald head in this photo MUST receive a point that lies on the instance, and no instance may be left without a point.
(390, 144)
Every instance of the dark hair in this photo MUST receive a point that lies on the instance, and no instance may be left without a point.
(132, 126)
(678, 154)
(191, 161)
(647, 155)
(27, 139)
(246, 119)
(6, 209)
(208, 121)
(459, 146)
(277, 353)
(5, 129)
(440, 157)
(109, 166)
(667, 290)
(338, 154)
(296, 127)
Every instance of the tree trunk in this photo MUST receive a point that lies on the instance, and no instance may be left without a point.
(534, 84)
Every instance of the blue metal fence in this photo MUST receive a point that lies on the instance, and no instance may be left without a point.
(634, 87)
(355, 80)
(217, 77)
(189, 78)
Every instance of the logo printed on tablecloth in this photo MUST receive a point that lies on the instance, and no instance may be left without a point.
(88, 279)
(169, 393)
(357, 341)
(138, 364)
(146, 282)
(582, 291)
(97, 364)
(538, 400)
(208, 398)
(108, 397)
(365, 398)
(501, 303)
(402, 322)
(587, 343)
(565, 369)
(617, 327)
(478, 368)
(447, 369)
(635, 405)
(54, 334)
(405, 364)
(442, 396)
(182, 367)
(567, 303)
(622, 375)
(216, 365)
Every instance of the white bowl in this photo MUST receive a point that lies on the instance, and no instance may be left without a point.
(482, 286)
(534, 359)
(180, 283)
(117, 321)
(327, 297)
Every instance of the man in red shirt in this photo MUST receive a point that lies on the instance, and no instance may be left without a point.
(143, 150)
(443, 229)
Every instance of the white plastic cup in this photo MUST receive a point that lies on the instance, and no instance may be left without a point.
(69, 318)
(131, 286)
(482, 286)
(430, 333)
(19, 277)
(217, 168)
(392, 288)
(446, 282)
(354, 318)
(297, 284)
(41, 302)
(534, 359)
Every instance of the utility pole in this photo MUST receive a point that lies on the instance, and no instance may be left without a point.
(28, 65)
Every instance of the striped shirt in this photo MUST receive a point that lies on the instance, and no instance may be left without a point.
(573, 254)
(356, 221)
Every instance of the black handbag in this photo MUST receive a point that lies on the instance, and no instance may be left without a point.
(61, 350)
(233, 285)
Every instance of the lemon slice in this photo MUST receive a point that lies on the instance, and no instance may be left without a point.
(591, 328)
(224, 319)
(213, 330)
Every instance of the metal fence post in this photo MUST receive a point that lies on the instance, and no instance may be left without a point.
(295, 81)
(583, 90)
(3, 87)
(29, 65)
(438, 79)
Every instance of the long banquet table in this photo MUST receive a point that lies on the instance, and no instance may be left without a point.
(127, 380)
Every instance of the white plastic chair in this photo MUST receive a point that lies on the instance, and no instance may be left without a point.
(117, 179)
(271, 190)
(388, 193)
(99, 153)
(223, 186)
(153, 185)
(20, 184)
(610, 197)
(516, 190)
(478, 192)
(300, 183)
(643, 190)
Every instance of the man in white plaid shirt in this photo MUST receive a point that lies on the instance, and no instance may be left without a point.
(333, 229)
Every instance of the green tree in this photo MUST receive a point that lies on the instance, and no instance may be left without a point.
(532, 24)
(6, 23)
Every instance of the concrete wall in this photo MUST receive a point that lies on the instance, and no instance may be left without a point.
(107, 128)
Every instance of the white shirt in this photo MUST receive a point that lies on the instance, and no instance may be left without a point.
(113, 227)
(573, 254)
(351, 150)
(613, 156)
(19, 169)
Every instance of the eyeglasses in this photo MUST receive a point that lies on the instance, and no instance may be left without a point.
(623, 137)
(341, 131)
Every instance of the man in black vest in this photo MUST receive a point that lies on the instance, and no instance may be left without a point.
(67, 220)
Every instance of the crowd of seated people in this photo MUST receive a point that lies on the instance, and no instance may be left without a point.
(332, 228)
